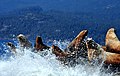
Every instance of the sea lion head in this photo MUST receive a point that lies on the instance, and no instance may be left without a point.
(39, 40)
(111, 36)
(11, 47)
(39, 45)
(112, 41)
(77, 42)
(82, 34)
(58, 52)
(21, 38)
(23, 41)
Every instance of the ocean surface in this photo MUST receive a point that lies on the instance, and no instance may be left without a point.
(42, 18)
(28, 63)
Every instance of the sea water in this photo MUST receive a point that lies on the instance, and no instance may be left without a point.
(28, 63)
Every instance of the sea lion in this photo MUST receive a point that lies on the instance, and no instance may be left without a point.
(76, 51)
(58, 52)
(79, 45)
(97, 52)
(112, 58)
(23, 41)
(11, 47)
(94, 51)
(39, 46)
(74, 45)
(70, 59)
(112, 41)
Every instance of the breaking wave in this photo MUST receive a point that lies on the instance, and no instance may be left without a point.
(28, 63)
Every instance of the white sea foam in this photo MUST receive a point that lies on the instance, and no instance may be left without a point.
(32, 64)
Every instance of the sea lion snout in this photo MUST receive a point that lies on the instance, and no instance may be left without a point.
(82, 34)
(85, 32)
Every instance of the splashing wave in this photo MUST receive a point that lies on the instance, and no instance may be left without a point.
(32, 64)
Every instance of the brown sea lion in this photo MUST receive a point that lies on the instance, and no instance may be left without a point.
(70, 59)
(94, 51)
(39, 46)
(104, 48)
(76, 51)
(112, 58)
(58, 52)
(74, 45)
(79, 45)
(11, 47)
(24, 42)
(112, 41)
(97, 52)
